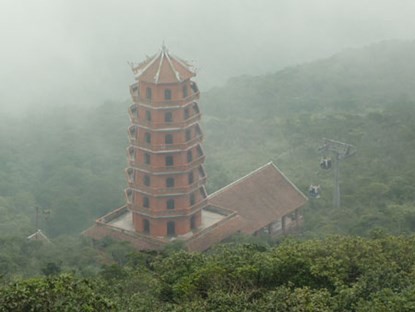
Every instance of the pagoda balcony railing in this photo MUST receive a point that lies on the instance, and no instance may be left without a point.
(169, 147)
(165, 125)
(151, 102)
(168, 212)
(168, 190)
(195, 163)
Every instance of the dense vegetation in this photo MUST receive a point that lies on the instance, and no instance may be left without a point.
(69, 163)
(334, 274)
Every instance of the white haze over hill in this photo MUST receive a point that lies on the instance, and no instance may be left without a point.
(75, 52)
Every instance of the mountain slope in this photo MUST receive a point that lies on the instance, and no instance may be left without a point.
(356, 79)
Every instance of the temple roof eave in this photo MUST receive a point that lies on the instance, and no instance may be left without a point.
(163, 68)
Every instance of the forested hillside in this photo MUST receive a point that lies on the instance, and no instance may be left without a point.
(334, 274)
(69, 163)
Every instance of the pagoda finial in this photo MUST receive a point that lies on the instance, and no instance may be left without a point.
(163, 47)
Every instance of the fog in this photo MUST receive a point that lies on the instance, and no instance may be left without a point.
(56, 52)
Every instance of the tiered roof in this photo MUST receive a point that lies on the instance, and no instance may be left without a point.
(262, 196)
(163, 68)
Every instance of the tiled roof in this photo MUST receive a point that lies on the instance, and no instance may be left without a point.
(163, 68)
(260, 197)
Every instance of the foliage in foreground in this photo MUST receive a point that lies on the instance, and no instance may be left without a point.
(334, 274)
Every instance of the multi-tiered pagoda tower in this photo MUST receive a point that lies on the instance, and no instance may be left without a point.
(166, 194)
(166, 178)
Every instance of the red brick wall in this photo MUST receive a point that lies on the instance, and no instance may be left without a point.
(158, 227)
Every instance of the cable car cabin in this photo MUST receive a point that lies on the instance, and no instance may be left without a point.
(325, 163)
(314, 191)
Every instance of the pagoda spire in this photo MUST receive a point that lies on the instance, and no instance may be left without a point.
(166, 177)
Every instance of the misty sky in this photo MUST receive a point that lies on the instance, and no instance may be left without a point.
(75, 52)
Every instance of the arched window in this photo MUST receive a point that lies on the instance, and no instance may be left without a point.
(131, 175)
(190, 177)
(185, 91)
(169, 160)
(147, 138)
(146, 202)
(146, 226)
(189, 156)
(168, 116)
(186, 113)
(131, 152)
(146, 180)
(199, 150)
(194, 87)
(193, 222)
(170, 182)
(148, 93)
(203, 192)
(196, 108)
(192, 199)
(170, 204)
(132, 132)
(188, 134)
(147, 158)
(171, 228)
(148, 115)
(168, 139)
(202, 173)
(134, 110)
(130, 196)
(167, 94)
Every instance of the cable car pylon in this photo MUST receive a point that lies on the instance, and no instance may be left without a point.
(340, 151)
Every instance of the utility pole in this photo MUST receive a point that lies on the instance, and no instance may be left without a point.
(340, 151)
(37, 217)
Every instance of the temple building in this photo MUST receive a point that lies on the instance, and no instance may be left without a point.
(166, 198)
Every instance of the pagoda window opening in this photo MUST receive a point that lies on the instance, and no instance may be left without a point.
(198, 130)
(168, 117)
(130, 196)
(146, 202)
(202, 173)
(167, 94)
(203, 192)
(148, 93)
(147, 138)
(146, 226)
(192, 199)
(147, 159)
(196, 108)
(188, 134)
(169, 160)
(194, 87)
(134, 110)
(171, 228)
(189, 156)
(186, 113)
(185, 92)
(132, 131)
(131, 153)
(131, 175)
(190, 177)
(199, 151)
(148, 115)
(170, 204)
(170, 182)
(193, 222)
(146, 180)
(168, 139)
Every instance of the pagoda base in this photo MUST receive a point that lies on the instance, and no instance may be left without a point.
(217, 224)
